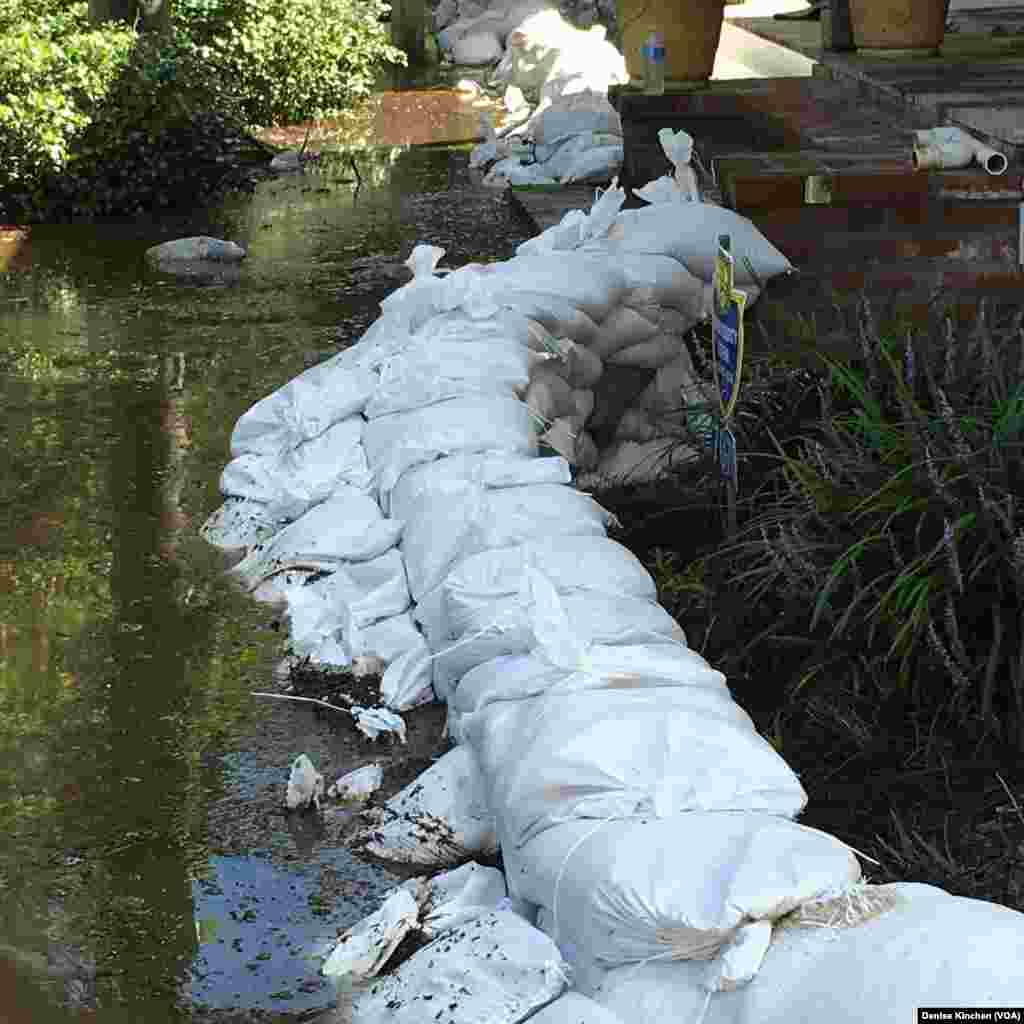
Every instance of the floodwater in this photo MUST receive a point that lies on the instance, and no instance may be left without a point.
(148, 871)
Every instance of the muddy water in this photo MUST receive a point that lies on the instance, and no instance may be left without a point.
(147, 870)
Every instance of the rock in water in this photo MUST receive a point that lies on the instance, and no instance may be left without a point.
(201, 247)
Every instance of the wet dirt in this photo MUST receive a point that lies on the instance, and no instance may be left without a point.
(149, 870)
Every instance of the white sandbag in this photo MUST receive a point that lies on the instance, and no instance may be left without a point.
(506, 627)
(458, 896)
(465, 519)
(408, 679)
(240, 523)
(293, 481)
(583, 399)
(577, 229)
(365, 948)
(629, 462)
(348, 527)
(689, 233)
(665, 394)
(619, 892)
(557, 316)
(512, 171)
(441, 819)
(398, 442)
(574, 1008)
(484, 469)
(587, 454)
(522, 676)
(655, 279)
(477, 48)
(652, 354)
(548, 397)
(559, 156)
(302, 409)
(502, 326)
(436, 369)
(621, 752)
(496, 968)
(598, 164)
(906, 946)
(567, 116)
(570, 563)
(589, 282)
(623, 328)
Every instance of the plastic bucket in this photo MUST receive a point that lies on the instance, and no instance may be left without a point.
(691, 30)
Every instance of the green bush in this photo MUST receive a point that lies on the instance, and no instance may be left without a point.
(893, 539)
(55, 71)
(290, 60)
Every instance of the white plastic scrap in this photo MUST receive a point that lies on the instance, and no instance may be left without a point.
(376, 722)
(305, 785)
(364, 949)
(360, 784)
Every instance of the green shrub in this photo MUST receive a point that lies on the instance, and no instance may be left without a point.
(290, 60)
(894, 536)
(55, 70)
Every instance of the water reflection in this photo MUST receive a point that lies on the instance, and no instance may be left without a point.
(126, 659)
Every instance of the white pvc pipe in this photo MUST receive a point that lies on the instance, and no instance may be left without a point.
(951, 147)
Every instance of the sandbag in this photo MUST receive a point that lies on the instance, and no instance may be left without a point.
(293, 481)
(598, 164)
(440, 819)
(522, 676)
(574, 1008)
(907, 945)
(583, 402)
(458, 896)
(652, 354)
(567, 437)
(507, 627)
(481, 468)
(581, 367)
(573, 114)
(477, 47)
(636, 425)
(619, 892)
(409, 677)
(348, 527)
(465, 519)
(400, 441)
(559, 157)
(435, 369)
(653, 278)
(496, 968)
(549, 397)
(240, 523)
(623, 328)
(630, 462)
(557, 316)
(689, 233)
(665, 394)
(620, 753)
(302, 409)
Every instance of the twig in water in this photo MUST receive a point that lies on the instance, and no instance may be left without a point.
(355, 170)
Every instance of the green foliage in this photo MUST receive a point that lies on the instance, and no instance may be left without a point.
(894, 529)
(101, 120)
(291, 59)
(55, 70)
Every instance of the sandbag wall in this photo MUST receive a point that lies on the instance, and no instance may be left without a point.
(397, 499)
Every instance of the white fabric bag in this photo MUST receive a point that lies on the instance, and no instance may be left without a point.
(302, 409)
(621, 752)
(460, 895)
(509, 626)
(496, 968)
(653, 278)
(398, 442)
(240, 523)
(408, 679)
(291, 482)
(431, 372)
(440, 819)
(620, 892)
(689, 233)
(913, 945)
(475, 520)
(574, 1008)
(481, 468)
(349, 527)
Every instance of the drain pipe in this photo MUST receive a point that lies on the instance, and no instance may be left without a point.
(950, 147)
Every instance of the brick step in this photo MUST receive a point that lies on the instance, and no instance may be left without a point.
(919, 218)
(846, 248)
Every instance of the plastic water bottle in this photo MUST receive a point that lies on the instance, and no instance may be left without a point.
(653, 52)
